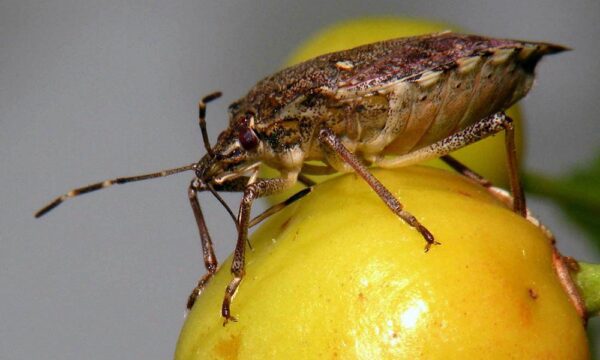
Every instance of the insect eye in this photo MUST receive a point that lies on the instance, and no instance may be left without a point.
(242, 122)
(248, 138)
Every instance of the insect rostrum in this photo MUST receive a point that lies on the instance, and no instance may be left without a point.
(388, 104)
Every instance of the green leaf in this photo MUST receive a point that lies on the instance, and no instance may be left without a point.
(587, 278)
(578, 195)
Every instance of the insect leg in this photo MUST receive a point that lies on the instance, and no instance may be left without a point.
(498, 193)
(202, 118)
(465, 171)
(328, 138)
(317, 169)
(278, 207)
(208, 253)
(282, 205)
(483, 128)
(320, 170)
(469, 173)
(210, 260)
(305, 180)
(516, 188)
(262, 187)
(292, 199)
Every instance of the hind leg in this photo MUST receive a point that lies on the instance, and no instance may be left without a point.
(484, 128)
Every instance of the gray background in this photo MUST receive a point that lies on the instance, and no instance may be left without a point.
(90, 90)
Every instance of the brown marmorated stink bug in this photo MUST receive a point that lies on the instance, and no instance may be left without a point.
(387, 104)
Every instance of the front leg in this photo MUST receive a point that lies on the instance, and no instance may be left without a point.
(208, 253)
(262, 187)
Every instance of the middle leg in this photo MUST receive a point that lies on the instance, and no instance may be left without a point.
(208, 253)
(262, 187)
(331, 141)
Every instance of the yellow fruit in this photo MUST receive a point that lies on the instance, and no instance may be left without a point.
(486, 157)
(337, 275)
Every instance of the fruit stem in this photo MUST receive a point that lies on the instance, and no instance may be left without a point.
(587, 278)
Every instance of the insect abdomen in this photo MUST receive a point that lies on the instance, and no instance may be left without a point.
(423, 110)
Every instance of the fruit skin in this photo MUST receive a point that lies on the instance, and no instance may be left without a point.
(487, 157)
(337, 275)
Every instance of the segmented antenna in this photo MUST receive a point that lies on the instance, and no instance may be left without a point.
(106, 183)
(202, 118)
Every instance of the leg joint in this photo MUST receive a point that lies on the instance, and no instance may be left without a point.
(193, 188)
(506, 121)
(212, 267)
(324, 133)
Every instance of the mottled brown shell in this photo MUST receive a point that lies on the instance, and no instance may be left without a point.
(370, 65)
(390, 97)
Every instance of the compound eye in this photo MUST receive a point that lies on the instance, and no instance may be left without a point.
(248, 138)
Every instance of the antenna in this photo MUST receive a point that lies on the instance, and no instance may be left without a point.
(106, 183)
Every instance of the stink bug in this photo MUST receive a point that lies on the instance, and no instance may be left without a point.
(388, 104)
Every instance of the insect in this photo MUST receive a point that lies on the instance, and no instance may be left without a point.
(387, 104)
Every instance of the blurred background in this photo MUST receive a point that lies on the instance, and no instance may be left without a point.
(94, 90)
